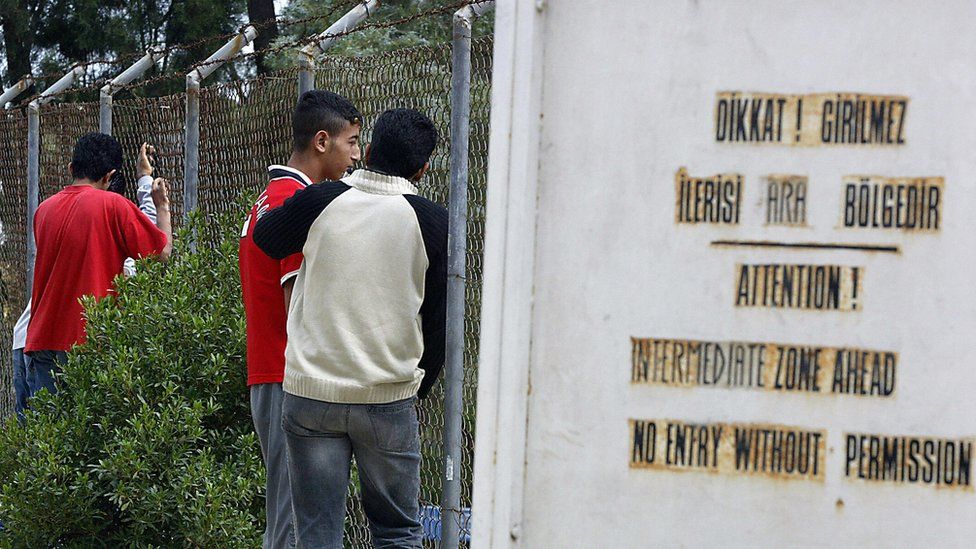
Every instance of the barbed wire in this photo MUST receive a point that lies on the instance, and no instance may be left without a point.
(128, 58)
(98, 83)
(449, 8)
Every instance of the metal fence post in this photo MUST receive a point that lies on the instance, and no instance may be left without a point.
(128, 75)
(105, 110)
(306, 57)
(306, 73)
(191, 164)
(34, 162)
(33, 185)
(456, 265)
(191, 156)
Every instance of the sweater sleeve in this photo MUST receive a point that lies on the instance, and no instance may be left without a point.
(146, 206)
(433, 311)
(144, 197)
(283, 231)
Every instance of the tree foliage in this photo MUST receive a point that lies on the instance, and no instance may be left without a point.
(151, 441)
(61, 33)
(427, 30)
(51, 35)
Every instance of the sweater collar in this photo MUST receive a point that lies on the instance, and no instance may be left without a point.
(377, 183)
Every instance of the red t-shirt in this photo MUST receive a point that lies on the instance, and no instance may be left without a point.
(261, 281)
(83, 235)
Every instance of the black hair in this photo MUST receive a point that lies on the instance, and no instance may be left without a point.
(95, 155)
(319, 110)
(118, 183)
(402, 142)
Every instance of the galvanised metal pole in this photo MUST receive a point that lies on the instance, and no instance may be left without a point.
(33, 185)
(191, 163)
(456, 264)
(306, 73)
(14, 91)
(191, 145)
(128, 75)
(34, 162)
(306, 57)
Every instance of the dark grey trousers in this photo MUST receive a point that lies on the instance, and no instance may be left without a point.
(266, 401)
(322, 439)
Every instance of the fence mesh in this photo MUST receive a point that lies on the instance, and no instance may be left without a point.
(244, 127)
(159, 121)
(61, 125)
(13, 242)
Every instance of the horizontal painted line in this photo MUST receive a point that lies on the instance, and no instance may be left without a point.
(809, 245)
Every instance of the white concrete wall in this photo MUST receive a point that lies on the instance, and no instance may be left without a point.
(596, 105)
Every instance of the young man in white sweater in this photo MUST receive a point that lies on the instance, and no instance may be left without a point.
(365, 334)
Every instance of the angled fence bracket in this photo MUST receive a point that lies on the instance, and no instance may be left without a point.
(128, 75)
(306, 57)
(191, 164)
(15, 91)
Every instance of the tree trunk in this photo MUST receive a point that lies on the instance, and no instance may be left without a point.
(18, 39)
(262, 14)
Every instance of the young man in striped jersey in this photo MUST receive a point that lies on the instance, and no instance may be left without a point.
(325, 129)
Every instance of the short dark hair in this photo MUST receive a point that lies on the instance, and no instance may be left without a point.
(319, 110)
(95, 155)
(402, 142)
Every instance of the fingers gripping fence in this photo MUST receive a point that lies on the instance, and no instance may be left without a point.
(244, 126)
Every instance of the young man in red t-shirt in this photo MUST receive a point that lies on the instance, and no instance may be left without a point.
(325, 129)
(83, 235)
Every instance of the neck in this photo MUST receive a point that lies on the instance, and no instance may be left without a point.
(305, 165)
(84, 182)
(413, 179)
(374, 182)
(379, 171)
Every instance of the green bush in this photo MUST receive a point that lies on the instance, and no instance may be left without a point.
(151, 442)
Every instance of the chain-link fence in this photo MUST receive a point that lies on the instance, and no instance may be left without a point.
(13, 243)
(244, 127)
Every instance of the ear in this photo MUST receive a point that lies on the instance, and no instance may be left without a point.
(366, 155)
(321, 142)
(420, 173)
(70, 171)
(104, 182)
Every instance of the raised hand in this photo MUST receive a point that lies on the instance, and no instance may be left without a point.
(144, 163)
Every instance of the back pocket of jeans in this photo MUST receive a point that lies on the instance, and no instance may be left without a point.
(395, 426)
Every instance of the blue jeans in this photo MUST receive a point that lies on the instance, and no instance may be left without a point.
(42, 368)
(322, 438)
(20, 383)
